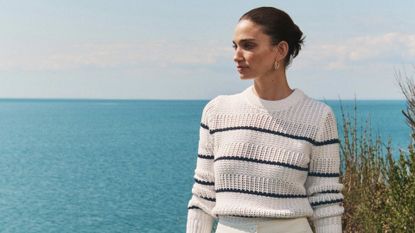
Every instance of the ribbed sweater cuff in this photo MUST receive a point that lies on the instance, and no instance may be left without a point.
(198, 221)
(328, 225)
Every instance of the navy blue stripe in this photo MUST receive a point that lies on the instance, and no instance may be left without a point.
(327, 142)
(204, 182)
(323, 192)
(205, 156)
(326, 202)
(204, 126)
(194, 207)
(208, 198)
(323, 174)
(310, 140)
(260, 193)
(243, 216)
(261, 161)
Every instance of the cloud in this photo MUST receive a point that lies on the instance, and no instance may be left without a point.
(387, 49)
(107, 55)
(372, 50)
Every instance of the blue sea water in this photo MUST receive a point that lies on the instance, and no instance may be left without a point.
(115, 166)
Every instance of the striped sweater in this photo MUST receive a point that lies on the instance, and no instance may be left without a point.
(264, 158)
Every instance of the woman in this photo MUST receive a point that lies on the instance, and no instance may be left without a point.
(268, 157)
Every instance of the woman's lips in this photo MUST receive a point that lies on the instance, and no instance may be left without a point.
(241, 68)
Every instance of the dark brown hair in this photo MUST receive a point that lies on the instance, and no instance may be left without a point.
(279, 26)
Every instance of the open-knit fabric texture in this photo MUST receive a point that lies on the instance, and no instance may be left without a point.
(267, 158)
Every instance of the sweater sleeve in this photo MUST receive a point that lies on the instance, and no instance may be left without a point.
(200, 218)
(322, 184)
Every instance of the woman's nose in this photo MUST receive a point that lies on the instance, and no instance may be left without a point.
(237, 56)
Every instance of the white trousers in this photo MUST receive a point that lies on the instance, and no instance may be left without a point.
(228, 224)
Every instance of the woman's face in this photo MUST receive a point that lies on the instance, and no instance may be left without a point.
(254, 54)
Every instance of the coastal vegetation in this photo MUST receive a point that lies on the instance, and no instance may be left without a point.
(379, 187)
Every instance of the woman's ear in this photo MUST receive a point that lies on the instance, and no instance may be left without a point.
(281, 50)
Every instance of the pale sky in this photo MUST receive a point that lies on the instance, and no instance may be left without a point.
(183, 49)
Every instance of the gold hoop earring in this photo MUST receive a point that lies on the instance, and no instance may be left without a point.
(276, 65)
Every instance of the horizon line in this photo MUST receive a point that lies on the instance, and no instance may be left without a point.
(151, 99)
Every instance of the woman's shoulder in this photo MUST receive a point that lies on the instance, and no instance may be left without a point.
(317, 105)
(212, 104)
(316, 110)
(222, 102)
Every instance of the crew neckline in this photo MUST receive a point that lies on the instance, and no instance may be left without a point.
(273, 105)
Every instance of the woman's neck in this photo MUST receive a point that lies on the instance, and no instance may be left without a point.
(272, 87)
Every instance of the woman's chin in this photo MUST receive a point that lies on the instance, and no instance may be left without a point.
(244, 77)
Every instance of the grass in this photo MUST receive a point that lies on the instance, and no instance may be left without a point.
(379, 191)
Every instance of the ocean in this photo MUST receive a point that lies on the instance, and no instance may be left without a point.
(116, 165)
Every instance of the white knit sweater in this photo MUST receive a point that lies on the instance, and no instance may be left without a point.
(262, 158)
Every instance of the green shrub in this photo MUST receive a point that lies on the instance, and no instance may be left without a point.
(379, 191)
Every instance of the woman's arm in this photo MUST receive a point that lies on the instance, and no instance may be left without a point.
(322, 184)
(200, 218)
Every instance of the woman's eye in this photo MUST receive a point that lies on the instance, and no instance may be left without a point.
(249, 46)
